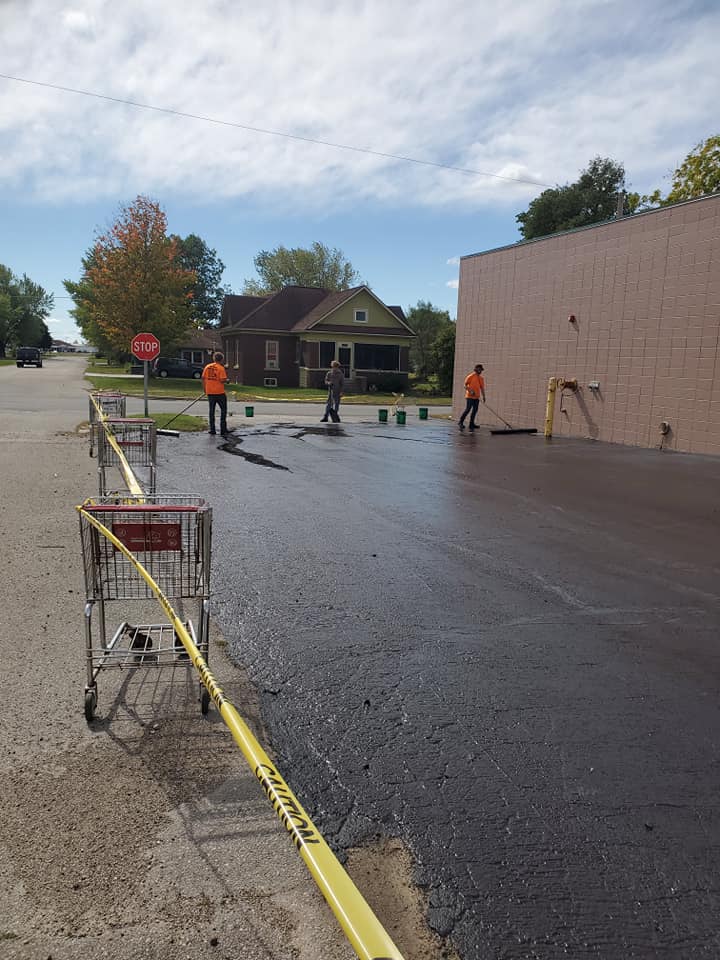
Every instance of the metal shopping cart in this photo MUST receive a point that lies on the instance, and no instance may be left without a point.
(135, 439)
(170, 537)
(110, 403)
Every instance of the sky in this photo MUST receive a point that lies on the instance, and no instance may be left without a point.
(519, 95)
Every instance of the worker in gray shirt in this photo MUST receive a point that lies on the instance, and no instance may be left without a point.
(334, 380)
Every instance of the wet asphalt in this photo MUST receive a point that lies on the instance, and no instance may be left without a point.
(502, 650)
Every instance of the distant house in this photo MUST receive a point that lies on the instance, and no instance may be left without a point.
(62, 346)
(288, 338)
(200, 347)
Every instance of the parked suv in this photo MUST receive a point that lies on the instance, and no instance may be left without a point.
(29, 355)
(166, 367)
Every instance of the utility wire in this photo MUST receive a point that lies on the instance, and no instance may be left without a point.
(271, 133)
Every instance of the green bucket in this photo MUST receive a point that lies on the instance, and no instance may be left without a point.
(249, 411)
(382, 416)
(400, 417)
(422, 413)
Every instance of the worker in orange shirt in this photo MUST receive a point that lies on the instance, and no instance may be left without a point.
(474, 389)
(214, 378)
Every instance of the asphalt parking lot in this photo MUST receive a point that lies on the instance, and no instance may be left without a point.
(501, 650)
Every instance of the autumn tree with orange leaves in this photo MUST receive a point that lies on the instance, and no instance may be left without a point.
(133, 282)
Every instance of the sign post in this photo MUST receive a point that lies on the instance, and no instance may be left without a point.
(145, 347)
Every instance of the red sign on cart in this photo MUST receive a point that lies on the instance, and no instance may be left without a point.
(148, 537)
(145, 346)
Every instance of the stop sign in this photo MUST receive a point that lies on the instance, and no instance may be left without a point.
(145, 346)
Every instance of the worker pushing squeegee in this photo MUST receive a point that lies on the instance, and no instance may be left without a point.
(474, 389)
(214, 378)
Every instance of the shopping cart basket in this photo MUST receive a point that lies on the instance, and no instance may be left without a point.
(111, 404)
(136, 439)
(170, 536)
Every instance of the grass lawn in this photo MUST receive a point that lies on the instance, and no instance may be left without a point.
(7, 362)
(102, 366)
(187, 389)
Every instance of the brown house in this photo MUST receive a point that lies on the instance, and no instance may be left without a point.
(288, 338)
(629, 308)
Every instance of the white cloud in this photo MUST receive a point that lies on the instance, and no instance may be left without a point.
(514, 89)
(453, 284)
(77, 21)
(453, 262)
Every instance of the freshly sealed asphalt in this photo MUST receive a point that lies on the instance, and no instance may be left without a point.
(502, 650)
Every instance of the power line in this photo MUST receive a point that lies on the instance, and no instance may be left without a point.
(271, 133)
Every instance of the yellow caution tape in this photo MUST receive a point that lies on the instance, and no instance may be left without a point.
(362, 928)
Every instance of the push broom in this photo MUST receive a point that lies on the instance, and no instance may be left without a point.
(510, 428)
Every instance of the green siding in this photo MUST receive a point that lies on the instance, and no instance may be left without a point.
(378, 316)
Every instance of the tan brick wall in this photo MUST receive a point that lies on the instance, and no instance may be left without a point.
(645, 292)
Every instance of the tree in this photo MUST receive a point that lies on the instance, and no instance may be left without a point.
(24, 305)
(132, 282)
(428, 322)
(442, 357)
(318, 266)
(591, 199)
(698, 174)
(195, 256)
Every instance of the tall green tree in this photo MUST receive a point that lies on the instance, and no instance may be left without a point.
(133, 282)
(591, 199)
(428, 322)
(24, 305)
(698, 174)
(195, 256)
(318, 266)
(442, 357)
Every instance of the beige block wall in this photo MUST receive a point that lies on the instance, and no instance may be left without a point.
(645, 291)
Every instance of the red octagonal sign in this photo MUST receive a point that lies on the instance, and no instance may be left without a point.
(145, 346)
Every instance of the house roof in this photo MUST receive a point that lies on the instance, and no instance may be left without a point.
(293, 309)
(235, 307)
(279, 311)
(208, 339)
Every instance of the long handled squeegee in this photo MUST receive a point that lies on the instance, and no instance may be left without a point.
(164, 432)
(510, 428)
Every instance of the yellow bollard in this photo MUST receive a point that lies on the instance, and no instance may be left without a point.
(550, 409)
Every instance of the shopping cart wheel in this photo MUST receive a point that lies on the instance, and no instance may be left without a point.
(204, 702)
(90, 704)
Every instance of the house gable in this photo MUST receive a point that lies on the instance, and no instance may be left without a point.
(342, 314)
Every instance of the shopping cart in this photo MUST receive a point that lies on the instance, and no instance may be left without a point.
(111, 404)
(170, 537)
(135, 439)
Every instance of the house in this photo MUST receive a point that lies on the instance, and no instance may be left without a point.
(200, 347)
(629, 308)
(287, 339)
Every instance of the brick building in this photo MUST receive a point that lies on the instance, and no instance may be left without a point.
(631, 307)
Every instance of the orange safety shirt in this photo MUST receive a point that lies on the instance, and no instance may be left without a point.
(214, 377)
(474, 385)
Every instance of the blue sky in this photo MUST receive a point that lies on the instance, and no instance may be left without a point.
(529, 91)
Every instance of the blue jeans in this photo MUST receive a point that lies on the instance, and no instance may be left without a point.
(333, 404)
(471, 407)
(218, 400)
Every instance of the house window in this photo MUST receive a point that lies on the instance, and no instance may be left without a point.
(376, 356)
(360, 316)
(327, 352)
(272, 355)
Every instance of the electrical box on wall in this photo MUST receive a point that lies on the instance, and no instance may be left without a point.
(594, 385)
